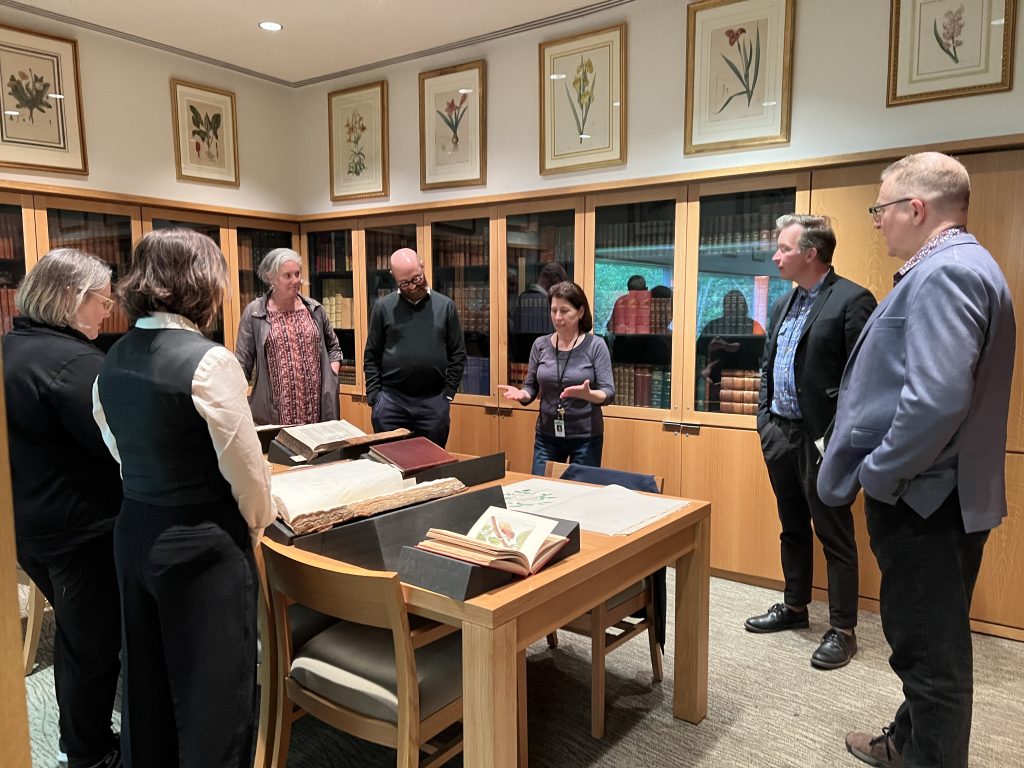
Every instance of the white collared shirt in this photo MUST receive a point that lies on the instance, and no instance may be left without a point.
(219, 395)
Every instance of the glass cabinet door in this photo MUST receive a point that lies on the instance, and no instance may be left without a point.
(634, 261)
(107, 236)
(461, 270)
(12, 261)
(381, 242)
(331, 283)
(540, 251)
(253, 245)
(737, 282)
(212, 231)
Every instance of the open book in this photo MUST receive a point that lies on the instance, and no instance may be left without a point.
(315, 498)
(310, 440)
(517, 542)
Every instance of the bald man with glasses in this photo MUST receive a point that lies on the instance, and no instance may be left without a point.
(415, 354)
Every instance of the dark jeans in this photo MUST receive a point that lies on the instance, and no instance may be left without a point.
(792, 460)
(580, 450)
(428, 417)
(188, 592)
(81, 585)
(929, 568)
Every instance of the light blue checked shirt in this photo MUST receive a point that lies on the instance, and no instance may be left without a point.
(784, 402)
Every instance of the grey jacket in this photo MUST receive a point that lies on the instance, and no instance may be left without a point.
(250, 349)
(924, 400)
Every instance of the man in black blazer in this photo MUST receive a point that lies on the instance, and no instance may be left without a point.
(811, 332)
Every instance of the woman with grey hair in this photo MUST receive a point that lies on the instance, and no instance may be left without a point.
(67, 490)
(171, 406)
(287, 348)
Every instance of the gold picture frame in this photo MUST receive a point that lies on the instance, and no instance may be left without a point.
(205, 134)
(583, 122)
(967, 49)
(42, 126)
(453, 126)
(357, 130)
(739, 72)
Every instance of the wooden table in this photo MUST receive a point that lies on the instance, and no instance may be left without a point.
(498, 626)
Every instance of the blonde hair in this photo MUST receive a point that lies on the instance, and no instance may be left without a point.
(55, 289)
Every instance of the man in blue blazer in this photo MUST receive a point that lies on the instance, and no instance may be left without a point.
(811, 333)
(921, 427)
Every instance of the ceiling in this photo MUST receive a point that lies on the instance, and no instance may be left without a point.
(321, 39)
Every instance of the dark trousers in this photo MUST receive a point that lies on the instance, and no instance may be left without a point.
(792, 460)
(188, 591)
(929, 568)
(580, 450)
(81, 585)
(427, 417)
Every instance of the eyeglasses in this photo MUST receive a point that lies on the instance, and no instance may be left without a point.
(876, 210)
(412, 281)
(106, 301)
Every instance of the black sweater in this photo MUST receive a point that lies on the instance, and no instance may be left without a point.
(67, 486)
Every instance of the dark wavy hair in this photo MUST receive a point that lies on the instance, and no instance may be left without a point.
(573, 294)
(178, 271)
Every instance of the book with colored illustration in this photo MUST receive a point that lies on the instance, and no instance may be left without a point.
(517, 542)
(310, 440)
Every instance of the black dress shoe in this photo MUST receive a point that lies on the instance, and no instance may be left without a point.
(836, 650)
(778, 618)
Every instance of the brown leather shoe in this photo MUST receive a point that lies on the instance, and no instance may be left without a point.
(874, 750)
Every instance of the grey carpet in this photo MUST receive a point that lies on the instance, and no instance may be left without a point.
(767, 706)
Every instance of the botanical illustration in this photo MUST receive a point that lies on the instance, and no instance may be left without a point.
(30, 91)
(582, 96)
(952, 30)
(501, 533)
(748, 68)
(206, 134)
(452, 117)
(355, 127)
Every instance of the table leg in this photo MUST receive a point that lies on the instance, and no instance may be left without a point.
(489, 683)
(693, 583)
(524, 745)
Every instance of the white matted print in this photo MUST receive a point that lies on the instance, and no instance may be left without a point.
(453, 126)
(357, 120)
(42, 106)
(205, 134)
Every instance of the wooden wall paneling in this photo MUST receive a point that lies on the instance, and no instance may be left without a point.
(474, 429)
(356, 411)
(516, 429)
(639, 445)
(725, 467)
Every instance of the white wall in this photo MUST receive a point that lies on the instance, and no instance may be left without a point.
(839, 85)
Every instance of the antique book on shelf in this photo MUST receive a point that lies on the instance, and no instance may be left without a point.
(316, 498)
(517, 542)
(310, 440)
(411, 455)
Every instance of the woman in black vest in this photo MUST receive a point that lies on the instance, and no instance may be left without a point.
(172, 407)
(67, 491)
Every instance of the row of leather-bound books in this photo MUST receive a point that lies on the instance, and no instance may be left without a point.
(643, 386)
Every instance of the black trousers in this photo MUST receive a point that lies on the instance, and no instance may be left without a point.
(81, 585)
(929, 568)
(792, 460)
(188, 591)
(428, 417)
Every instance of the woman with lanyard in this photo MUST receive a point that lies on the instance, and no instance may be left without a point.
(571, 371)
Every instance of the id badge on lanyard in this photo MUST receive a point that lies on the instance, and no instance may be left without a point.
(560, 422)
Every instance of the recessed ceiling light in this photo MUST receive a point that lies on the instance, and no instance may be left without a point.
(557, 76)
(270, 26)
(465, 90)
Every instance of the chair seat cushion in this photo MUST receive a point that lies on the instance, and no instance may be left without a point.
(305, 624)
(629, 592)
(353, 666)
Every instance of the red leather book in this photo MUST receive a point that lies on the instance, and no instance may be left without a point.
(412, 455)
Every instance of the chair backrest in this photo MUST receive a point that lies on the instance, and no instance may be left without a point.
(635, 481)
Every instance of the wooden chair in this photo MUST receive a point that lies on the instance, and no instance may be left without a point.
(377, 673)
(613, 623)
(34, 622)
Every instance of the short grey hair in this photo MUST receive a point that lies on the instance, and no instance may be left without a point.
(271, 264)
(53, 292)
(818, 233)
(931, 176)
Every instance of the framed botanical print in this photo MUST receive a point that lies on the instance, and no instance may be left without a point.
(583, 101)
(941, 49)
(205, 134)
(42, 124)
(453, 126)
(739, 60)
(357, 129)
